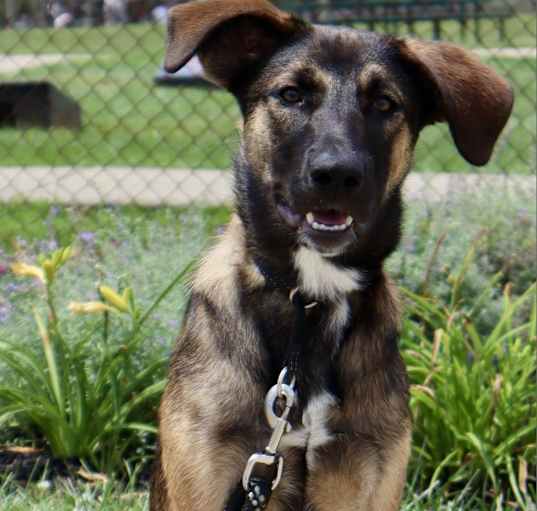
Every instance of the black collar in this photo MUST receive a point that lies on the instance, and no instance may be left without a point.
(275, 279)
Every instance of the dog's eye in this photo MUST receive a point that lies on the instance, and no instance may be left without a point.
(291, 95)
(384, 104)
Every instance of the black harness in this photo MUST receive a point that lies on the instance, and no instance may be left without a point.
(255, 491)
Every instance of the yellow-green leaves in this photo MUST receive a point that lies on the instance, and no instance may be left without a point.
(89, 307)
(112, 301)
(28, 270)
(53, 263)
(84, 391)
(48, 268)
(119, 302)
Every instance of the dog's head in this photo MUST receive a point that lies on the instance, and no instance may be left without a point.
(331, 117)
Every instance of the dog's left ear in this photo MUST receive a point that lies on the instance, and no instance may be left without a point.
(229, 36)
(471, 97)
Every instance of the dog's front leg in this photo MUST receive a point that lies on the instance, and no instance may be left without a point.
(354, 474)
(202, 460)
(203, 478)
(199, 474)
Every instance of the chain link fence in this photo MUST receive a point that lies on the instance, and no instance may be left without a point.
(88, 118)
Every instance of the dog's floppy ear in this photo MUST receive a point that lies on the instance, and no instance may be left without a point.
(227, 35)
(471, 97)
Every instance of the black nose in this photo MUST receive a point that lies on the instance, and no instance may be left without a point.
(329, 172)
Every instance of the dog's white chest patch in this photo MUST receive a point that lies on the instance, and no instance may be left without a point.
(321, 279)
(314, 432)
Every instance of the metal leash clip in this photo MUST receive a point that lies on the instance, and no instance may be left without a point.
(279, 425)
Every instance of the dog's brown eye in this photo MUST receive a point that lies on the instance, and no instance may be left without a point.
(291, 95)
(383, 104)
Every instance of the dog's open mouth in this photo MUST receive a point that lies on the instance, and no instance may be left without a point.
(327, 221)
(330, 220)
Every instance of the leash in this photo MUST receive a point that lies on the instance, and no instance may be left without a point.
(264, 469)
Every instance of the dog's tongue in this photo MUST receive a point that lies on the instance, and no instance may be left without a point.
(330, 217)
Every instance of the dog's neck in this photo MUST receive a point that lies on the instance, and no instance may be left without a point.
(285, 265)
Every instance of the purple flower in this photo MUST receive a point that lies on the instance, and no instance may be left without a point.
(12, 287)
(54, 211)
(174, 324)
(5, 311)
(3, 269)
(48, 246)
(87, 236)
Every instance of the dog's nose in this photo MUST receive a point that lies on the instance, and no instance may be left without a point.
(329, 172)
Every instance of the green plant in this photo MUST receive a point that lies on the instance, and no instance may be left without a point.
(473, 396)
(68, 495)
(470, 239)
(86, 396)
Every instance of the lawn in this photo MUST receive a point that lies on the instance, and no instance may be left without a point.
(113, 498)
(130, 121)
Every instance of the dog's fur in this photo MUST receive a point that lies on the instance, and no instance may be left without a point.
(331, 118)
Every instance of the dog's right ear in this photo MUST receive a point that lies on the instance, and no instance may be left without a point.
(227, 35)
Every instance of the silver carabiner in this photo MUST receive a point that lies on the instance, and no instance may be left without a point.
(279, 424)
(278, 391)
(281, 381)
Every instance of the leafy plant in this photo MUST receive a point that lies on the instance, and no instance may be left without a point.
(474, 232)
(86, 396)
(473, 396)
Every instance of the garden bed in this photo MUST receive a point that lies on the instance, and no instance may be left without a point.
(468, 341)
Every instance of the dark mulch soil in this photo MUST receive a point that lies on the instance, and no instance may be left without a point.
(27, 464)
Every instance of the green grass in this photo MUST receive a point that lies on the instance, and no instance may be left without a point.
(520, 31)
(35, 222)
(67, 496)
(129, 121)
(112, 497)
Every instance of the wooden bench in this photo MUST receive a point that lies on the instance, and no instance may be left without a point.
(37, 104)
(390, 14)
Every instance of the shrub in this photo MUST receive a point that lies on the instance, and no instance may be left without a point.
(499, 230)
(473, 397)
(86, 395)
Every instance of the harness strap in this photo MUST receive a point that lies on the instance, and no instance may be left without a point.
(260, 486)
(295, 346)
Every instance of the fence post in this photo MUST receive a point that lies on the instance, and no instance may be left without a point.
(11, 11)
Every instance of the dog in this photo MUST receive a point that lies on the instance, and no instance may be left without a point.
(331, 117)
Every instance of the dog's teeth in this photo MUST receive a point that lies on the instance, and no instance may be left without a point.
(310, 218)
(323, 227)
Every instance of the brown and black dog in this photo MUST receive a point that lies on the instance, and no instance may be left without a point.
(331, 119)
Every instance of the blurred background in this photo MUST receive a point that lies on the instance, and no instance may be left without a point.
(87, 116)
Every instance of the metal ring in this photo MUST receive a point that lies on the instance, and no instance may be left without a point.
(292, 293)
(281, 381)
(279, 474)
(287, 393)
